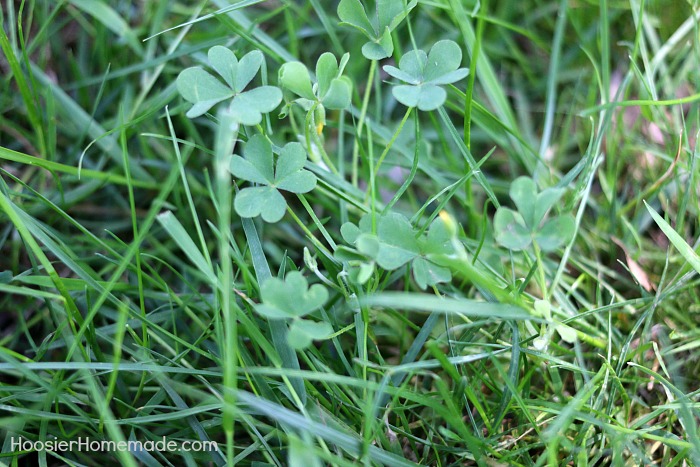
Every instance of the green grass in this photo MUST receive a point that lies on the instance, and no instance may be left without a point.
(130, 288)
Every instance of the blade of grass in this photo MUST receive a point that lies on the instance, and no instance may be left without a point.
(681, 245)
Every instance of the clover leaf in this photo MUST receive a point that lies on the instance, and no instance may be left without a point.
(396, 244)
(388, 15)
(292, 298)
(332, 90)
(205, 91)
(517, 230)
(425, 73)
(258, 166)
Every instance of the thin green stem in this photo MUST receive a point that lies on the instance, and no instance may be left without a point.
(308, 233)
(541, 277)
(317, 221)
(468, 100)
(392, 140)
(372, 182)
(414, 167)
(311, 129)
(361, 122)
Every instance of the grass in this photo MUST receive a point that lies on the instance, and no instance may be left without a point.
(130, 287)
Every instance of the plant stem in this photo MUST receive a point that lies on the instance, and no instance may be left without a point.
(308, 233)
(308, 131)
(392, 140)
(414, 167)
(361, 122)
(540, 270)
(372, 182)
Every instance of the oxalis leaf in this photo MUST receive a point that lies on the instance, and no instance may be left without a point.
(205, 91)
(425, 73)
(332, 90)
(396, 244)
(517, 230)
(292, 298)
(259, 167)
(387, 16)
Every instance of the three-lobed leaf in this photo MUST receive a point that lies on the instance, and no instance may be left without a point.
(387, 16)
(291, 297)
(259, 167)
(425, 73)
(516, 230)
(204, 91)
(395, 244)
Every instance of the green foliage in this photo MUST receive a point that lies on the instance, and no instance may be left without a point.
(138, 282)
(205, 91)
(543, 309)
(517, 230)
(292, 298)
(287, 173)
(388, 15)
(332, 90)
(300, 454)
(686, 250)
(395, 244)
(426, 73)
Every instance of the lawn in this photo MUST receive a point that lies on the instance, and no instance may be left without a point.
(435, 232)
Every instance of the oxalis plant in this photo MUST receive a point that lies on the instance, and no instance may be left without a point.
(205, 91)
(382, 242)
(395, 244)
(386, 241)
(530, 228)
(425, 74)
(287, 173)
(378, 242)
(291, 299)
(387, 16)
(331, 91)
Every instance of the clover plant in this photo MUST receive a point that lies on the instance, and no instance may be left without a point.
(395, 244)
(388, 14)
(259, 166)
(292, 299)
(205, 91)
(331, 90)
(424, 74)
(517, 230)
